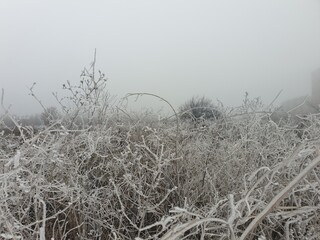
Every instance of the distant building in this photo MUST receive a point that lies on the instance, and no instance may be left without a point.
(315, 89)
(304, 105)
(300, 106)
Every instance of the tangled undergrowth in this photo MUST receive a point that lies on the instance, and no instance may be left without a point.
(114, 176)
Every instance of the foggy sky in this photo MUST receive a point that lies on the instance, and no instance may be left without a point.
(173, 48)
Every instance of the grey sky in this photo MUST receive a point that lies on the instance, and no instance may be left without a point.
(173, 48)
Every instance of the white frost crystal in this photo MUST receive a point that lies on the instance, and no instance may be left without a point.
(15, 161)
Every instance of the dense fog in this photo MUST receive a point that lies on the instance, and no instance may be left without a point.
(175, 49)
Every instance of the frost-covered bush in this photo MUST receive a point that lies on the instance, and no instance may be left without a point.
(141, 177)
(197, 109)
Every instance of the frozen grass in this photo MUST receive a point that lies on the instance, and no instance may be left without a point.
(236, 178)
(100, 173)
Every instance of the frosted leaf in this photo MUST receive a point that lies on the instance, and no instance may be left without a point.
(178, 210)
(16, 159)
(26, 189)
(9, 236)
(12, 145)
(167, 220)
(305, 152)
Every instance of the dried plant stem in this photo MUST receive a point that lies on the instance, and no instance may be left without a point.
(277, 199)
(172, 108)
(177, 231)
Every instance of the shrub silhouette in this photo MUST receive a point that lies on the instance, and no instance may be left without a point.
(197, 109)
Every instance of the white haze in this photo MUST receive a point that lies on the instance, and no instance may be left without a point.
(172, 48)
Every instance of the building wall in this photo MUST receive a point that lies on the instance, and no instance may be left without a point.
(300, 106)
(304, 105)
(315, 87)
